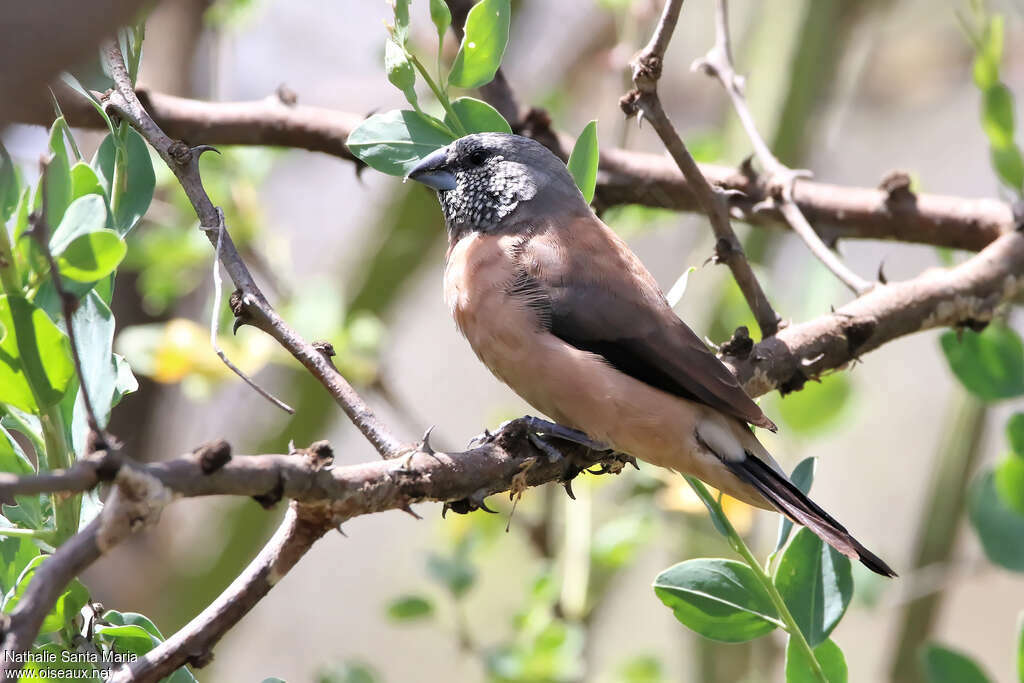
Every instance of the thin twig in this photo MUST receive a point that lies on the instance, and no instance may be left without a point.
(215, 319)
(718, 64)
(253, 307)
(644, 101)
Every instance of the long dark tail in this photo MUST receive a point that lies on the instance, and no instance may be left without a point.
(791, 501)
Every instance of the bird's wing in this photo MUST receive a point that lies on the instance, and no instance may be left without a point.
(592, 292)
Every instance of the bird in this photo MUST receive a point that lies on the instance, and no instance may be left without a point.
(560, 309)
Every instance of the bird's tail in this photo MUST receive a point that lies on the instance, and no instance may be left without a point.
(792, 502)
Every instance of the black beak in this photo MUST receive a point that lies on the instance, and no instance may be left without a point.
(433, 172)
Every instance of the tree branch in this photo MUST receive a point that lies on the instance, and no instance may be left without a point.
(193, 644)
(643, 100)
(967, 295)
(718, 64)
(250, 305)
(624, 177)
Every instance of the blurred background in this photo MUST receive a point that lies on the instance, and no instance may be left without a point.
(850, 90)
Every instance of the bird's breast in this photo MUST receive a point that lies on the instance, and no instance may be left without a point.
(500, 329)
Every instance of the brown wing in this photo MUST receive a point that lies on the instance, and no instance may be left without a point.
(591, 291)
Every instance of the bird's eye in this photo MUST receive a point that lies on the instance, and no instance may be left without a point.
(478, 157)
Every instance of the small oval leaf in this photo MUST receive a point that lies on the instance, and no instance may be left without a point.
(92, 256)
(483, 44)
(942, 665)
(583, 161)
(410, 608)
(816, 582)
(999, 528)
(719, 599)
(830, 659)
(990, 364)
(394, 142)
(478, 117)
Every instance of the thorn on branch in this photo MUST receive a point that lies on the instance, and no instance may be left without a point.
(286, 95)
(881, 273)
(896, 185)
(325, 348)
(739, 344)
(212, 456)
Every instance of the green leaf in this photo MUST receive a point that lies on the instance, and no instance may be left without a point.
(348, 672)
(400, 70)
(997, 115)
(12, 458)
(989, 55)
(34, 350)
(641, 669)
(15, 554)
(483, 44)
(129, 638)
(402, 21)
(84, 181)
(92, 256)
(125, 382)
(942, 665)
(802, 477)
(77, 86)
(138, 180)
(816, 582)
(1009, 482)
(94, 330)
(477, 116)
(442, 18)
(410, 608)
(455, 573)
(1015, 433)
(86, 214)
(617, 542)
(394, 142)
(830, 659)
(719, 599)
(67, 607)
(273, 679)
(56, 185)
(1009, 165)
(9, 191)
(584, 159)
(818, 405)
(990, 364)
(1000, 529)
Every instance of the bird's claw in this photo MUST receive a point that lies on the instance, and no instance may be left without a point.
(477, 501)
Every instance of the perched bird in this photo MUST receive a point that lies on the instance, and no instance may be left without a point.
(560, 310)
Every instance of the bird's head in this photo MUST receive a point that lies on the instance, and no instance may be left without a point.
(495, 181)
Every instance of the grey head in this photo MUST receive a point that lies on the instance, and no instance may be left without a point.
(495, 181)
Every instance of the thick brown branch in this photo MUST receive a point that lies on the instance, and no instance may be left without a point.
(966, 295)
(644, 101)
(625, 177)
(250, 306)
